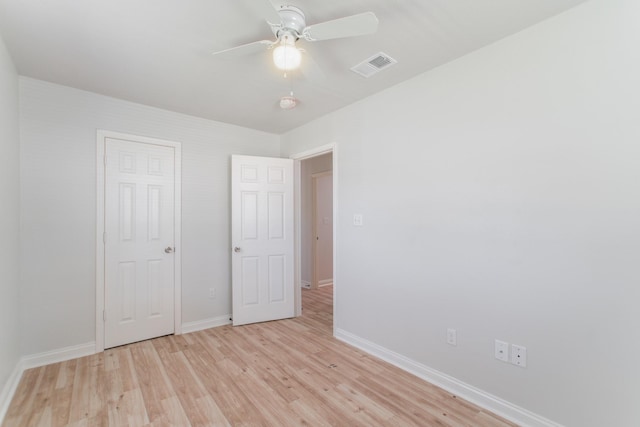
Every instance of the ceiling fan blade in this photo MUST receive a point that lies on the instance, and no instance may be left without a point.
(267, 10)
(245, 49)
(349, 26)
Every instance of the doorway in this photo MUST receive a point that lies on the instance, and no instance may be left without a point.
(315, 227)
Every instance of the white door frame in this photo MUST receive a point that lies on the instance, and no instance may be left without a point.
(100, 226)
(298, 157)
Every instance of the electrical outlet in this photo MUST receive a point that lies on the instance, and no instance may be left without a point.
(357, 220)
(502, 351)
(519, 355)
(212, 292)
(452, 336)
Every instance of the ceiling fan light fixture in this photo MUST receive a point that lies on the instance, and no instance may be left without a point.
(288, 102)
(286, 56)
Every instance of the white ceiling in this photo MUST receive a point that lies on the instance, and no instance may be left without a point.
(158, 52)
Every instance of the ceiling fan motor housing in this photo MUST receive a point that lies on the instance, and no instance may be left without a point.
(292, 21)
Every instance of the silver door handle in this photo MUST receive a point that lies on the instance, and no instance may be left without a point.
(168, 250)
(236, 249)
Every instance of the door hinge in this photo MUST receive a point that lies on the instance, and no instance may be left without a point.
(104, 237)
(104, 315)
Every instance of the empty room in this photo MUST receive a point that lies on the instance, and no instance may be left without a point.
(363, 213)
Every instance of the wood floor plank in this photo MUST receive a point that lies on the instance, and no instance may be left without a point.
(60, 402)
(79, 409)
(188, 388)
(174, 412)
(41, 411)
(284, 373)
(151, 378)
(211, 412)
(220, 384)
(309, 415)
(23, 397)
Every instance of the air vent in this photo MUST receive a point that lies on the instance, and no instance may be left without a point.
(376, 63)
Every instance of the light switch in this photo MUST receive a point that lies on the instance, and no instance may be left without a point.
(357, 220)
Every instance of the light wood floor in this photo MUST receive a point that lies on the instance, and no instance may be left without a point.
(283, 373)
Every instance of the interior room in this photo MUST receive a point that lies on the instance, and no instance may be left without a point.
(476, 261)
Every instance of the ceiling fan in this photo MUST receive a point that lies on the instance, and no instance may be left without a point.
(288, 24)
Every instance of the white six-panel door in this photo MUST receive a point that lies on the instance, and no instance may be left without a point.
(139, 241)
(262, 239)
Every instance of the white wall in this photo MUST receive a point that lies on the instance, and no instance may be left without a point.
(501, 197)
(9, 217)
(307, 168)
(58, 176)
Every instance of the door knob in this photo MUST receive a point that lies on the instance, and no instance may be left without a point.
(168, 250)
(236, 249)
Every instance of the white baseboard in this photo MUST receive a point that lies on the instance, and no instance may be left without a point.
(59, 355)
(306, 284)
(199, 325)
(474, 395)
(9, 390)
(325, 282)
